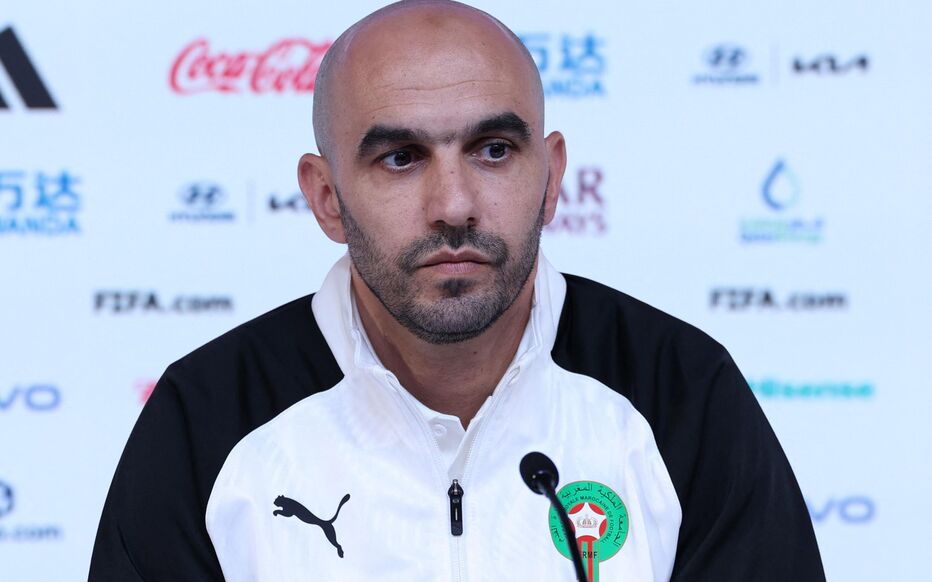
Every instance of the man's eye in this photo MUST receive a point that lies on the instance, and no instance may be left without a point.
(398, 160)
(495, 151)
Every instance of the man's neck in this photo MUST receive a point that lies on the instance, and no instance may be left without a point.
(454, 378)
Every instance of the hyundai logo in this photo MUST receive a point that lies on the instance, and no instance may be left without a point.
(202, 194)
(727, 57)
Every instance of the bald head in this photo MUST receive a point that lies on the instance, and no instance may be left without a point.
(429, 117)
(398, 42)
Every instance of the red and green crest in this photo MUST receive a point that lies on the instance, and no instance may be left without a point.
(600, 523)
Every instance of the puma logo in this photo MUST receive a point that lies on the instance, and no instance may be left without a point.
(290, 508)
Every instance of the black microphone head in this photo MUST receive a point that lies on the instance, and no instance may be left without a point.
(538, 471)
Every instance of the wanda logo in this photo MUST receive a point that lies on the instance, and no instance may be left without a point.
(288, 65)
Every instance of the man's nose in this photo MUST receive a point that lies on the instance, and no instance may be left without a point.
(452, 193)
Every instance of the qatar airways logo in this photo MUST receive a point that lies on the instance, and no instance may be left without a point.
(581, 210)
(287, 66)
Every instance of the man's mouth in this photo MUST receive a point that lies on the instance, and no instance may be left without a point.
(461, 262)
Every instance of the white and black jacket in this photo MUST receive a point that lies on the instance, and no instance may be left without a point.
(284, 451)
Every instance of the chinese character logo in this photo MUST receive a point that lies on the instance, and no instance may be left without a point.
(569, 66)
(39, 203)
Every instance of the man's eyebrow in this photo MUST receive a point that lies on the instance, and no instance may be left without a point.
(507, 122)
(378, 136)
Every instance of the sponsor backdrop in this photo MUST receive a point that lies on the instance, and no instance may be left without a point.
(760, 169)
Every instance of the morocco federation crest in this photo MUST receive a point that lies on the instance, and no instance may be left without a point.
(600, 523)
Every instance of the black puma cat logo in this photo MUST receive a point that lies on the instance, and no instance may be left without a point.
(291, 508)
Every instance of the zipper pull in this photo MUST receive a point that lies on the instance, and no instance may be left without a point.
(456, 508)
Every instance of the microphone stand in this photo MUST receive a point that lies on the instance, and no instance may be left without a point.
(541, 476)
(567, 529)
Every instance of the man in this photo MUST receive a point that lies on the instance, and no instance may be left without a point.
(374, 430)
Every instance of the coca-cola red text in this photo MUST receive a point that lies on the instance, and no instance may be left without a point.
(289, 65)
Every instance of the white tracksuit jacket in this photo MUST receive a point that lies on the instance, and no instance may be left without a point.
(285, 451)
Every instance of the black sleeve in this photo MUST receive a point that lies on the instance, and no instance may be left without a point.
(153, 526)
(744, 518)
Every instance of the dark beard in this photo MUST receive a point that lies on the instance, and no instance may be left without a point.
(457, 316)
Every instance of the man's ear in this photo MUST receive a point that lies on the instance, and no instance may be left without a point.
(556, 159)
(316, 181)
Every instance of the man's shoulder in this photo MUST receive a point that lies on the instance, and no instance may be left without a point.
(204, 404)
(287, 335)
(254, 371)
(233, 384)
(664, 366)
(600, 320)
(291, 319)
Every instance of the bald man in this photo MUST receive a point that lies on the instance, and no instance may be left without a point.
(373, 431)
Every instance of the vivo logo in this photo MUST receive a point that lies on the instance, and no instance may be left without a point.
(856, 509)
(36, 398)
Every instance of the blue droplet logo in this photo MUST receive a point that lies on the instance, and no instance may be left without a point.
(6, 499)
(781, 187)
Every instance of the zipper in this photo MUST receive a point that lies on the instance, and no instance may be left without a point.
(467, 463)
(456, 529)
(415, 417)
(505, 381)
(455, 491)
(456, 508)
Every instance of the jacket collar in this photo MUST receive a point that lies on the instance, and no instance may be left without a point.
(334, 311)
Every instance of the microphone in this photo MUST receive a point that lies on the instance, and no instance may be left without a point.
(541, 476)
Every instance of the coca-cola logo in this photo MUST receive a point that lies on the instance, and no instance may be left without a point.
(289, 65)
(144, 389)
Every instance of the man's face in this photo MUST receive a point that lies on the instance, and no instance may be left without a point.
(435, 286)
(441, 172)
